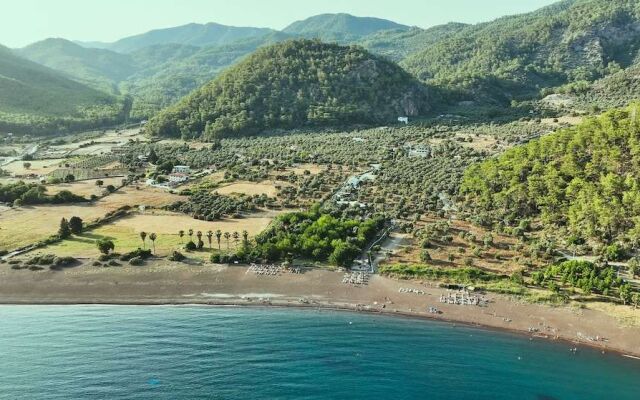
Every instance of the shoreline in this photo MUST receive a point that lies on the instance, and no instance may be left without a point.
(352, 308)
(175, 284)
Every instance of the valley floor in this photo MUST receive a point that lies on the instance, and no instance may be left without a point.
(163, 282)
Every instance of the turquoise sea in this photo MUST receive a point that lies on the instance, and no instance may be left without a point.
(140, 352)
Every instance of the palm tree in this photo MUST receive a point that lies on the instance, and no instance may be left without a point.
(181, 234)
(199, 236)
(245, 237)
(227, 235)
(191, 235)
(209, 237)
(143, 236)
(153, 238)
(218, 236)
(236, 237)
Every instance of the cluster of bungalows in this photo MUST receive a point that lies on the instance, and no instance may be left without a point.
(179, 175)
(421, 150)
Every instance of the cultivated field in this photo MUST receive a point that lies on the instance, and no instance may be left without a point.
(249, 188)
(38, 167)
(125, 233)
(498, 257)
(84, 188)
(25, 225)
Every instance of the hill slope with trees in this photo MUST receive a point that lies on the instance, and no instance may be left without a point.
(36, 99)
(516, 56)
(295, 84)
(96, 67)
(210, 34)
(584, 181)
(342, 28)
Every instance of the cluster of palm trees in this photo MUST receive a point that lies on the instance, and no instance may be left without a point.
(218, 235)
(152, 236)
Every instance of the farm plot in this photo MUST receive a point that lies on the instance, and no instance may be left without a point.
(249, 189)
(26, 225)
(84, 188)
(38, 167)
(125, 233)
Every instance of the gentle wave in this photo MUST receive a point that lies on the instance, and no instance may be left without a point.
(146, 352)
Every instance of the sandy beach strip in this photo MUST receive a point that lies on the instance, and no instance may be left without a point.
(167, 283)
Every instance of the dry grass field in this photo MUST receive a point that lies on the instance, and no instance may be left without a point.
(314, 169)
(38, 167)
(565, 119)
(250, 188)
(125, 233)
(499, 257)
(84, 188)
(26, 225)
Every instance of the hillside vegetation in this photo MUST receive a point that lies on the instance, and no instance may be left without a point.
(36, 99)
(342, 28)
(583, 180)
(96, 67)
(210, 34)
(294, 84)
(516, 56)
(398, 44)
(161, 85)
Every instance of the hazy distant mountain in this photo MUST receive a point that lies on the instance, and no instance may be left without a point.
(294, 84)
(99, 67)
(34, 98)
(340, 27)
(93, 45)
(210, 34)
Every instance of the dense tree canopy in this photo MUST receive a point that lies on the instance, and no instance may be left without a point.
(291, 85)
(586, 178)
(36, 99)
(516, 56)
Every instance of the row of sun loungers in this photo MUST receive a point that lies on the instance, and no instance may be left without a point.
(462, 299)
(356, 278)
(410, 290)
(272, 269)
(268, 269)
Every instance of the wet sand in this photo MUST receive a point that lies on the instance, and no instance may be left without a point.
(164, 282)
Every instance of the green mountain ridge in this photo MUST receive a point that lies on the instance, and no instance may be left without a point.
(210, 34)
(515, 57)
(398, 44)
(294, 84)
(97, 67)
(342, 28)
(36, 99)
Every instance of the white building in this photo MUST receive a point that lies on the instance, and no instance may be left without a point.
(181, 169)
(178, 178)
(404, 120)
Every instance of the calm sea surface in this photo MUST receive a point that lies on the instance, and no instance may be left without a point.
(139, 352)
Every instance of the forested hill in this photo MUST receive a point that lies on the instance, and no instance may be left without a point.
(516, 56)
(398, 44)
(295, 84)
(585, 179)
(342, 28)
(98, 67)
(36, 99)
(210, 34)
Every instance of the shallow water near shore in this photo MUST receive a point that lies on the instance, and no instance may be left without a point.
(151, 352)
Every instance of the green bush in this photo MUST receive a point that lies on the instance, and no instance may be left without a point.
(177, 256)
(137, 261)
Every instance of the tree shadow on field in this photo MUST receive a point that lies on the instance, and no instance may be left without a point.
(89, 238)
